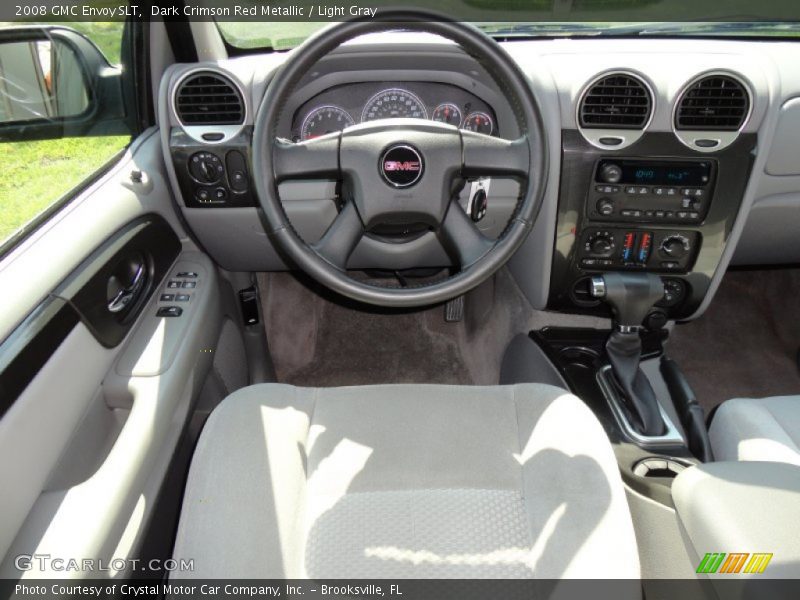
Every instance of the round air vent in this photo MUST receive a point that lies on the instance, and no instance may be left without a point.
(615, 101)
(713, 103)
(208, 98)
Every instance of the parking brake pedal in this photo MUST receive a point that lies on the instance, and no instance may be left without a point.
(454, 310)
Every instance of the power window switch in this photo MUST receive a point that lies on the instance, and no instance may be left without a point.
(173, 284)
(182, 297)
(169, 311)
(167, 297)
(189, 284)
(187, 275)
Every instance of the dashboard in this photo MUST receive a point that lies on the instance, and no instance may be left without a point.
(651, 184)
(352, 103)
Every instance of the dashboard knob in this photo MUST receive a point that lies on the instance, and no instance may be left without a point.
(675, 246)
(611, 173)
(601, 244)
(605, 206)
(206, 167)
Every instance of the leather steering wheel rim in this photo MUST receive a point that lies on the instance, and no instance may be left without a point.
(270, 152)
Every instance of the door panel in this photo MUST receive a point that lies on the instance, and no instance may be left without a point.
(104, 387)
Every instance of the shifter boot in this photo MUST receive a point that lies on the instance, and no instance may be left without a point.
(624, 352)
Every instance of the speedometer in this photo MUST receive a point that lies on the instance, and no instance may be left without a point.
(325, 119)
(393, 104)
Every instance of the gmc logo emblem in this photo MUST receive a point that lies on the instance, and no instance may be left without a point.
(401, 166)
(396, 165)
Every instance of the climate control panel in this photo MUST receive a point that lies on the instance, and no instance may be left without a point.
(664, 250)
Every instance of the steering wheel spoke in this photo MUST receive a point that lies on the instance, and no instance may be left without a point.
(461, 236)
(316, 158)
(341, 238)
(484, 155)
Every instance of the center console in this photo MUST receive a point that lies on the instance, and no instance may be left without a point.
(656, 207)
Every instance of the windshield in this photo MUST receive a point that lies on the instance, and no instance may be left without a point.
(285, 26)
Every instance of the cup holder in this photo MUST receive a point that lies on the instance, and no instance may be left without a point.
(578, 356)
(664, 468)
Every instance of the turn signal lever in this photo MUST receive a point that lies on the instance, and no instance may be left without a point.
(631, 296)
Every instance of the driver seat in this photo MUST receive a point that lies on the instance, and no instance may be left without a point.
(405, 481)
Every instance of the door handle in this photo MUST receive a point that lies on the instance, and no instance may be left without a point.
(126, 296)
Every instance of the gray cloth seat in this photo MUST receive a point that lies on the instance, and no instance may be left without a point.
(405, 481)
(765, 429)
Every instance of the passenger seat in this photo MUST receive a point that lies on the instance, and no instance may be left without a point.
(766, 429)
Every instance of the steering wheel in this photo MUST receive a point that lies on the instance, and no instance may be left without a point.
(401, 170)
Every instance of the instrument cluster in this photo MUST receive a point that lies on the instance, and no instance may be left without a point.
(346, 105)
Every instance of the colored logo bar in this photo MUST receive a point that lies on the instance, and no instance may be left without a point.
(735, 562)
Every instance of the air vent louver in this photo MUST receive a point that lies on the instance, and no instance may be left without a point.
(209, 99)
(714, 103)
(616, 101)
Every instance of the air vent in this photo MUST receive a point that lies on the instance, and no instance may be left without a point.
(617, 101)
(209, 99)
(714, 103)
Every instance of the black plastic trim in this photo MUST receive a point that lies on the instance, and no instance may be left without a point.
(31, 345)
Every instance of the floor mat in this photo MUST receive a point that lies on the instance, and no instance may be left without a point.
(745, 345)
(318, 339)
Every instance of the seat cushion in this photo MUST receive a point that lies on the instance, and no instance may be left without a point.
(767, 430)
(405, 481)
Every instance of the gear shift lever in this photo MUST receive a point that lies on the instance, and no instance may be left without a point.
(631, 296)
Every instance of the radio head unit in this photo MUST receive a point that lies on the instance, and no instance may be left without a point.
(651, 191)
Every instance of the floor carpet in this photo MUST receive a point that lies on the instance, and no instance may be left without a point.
(318, 339)
(745, 345)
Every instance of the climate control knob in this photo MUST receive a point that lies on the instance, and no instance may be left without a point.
(611, 173)
(675, 246)
(605, 206)
(600, 244)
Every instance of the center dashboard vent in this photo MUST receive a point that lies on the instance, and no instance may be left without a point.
(208, 98)
(713, 103)
(617, 101)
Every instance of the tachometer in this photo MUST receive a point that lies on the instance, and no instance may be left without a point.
(479, 122)
(325, 119)
(393, 104)
(447, 113)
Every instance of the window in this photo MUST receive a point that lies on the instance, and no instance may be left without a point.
(37, 174)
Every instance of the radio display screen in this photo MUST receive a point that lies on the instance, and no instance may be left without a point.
(696, 174)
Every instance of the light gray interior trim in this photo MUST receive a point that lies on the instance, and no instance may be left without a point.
(664, 552)
(151, 385)
(56, 249)
(742, 507)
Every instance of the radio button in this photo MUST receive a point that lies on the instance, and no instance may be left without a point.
(605, 206)
(611, 173)
(643, 190)
(659, 191)
(630, 190)
(671, 191)
(659, 214)
(694, 215)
